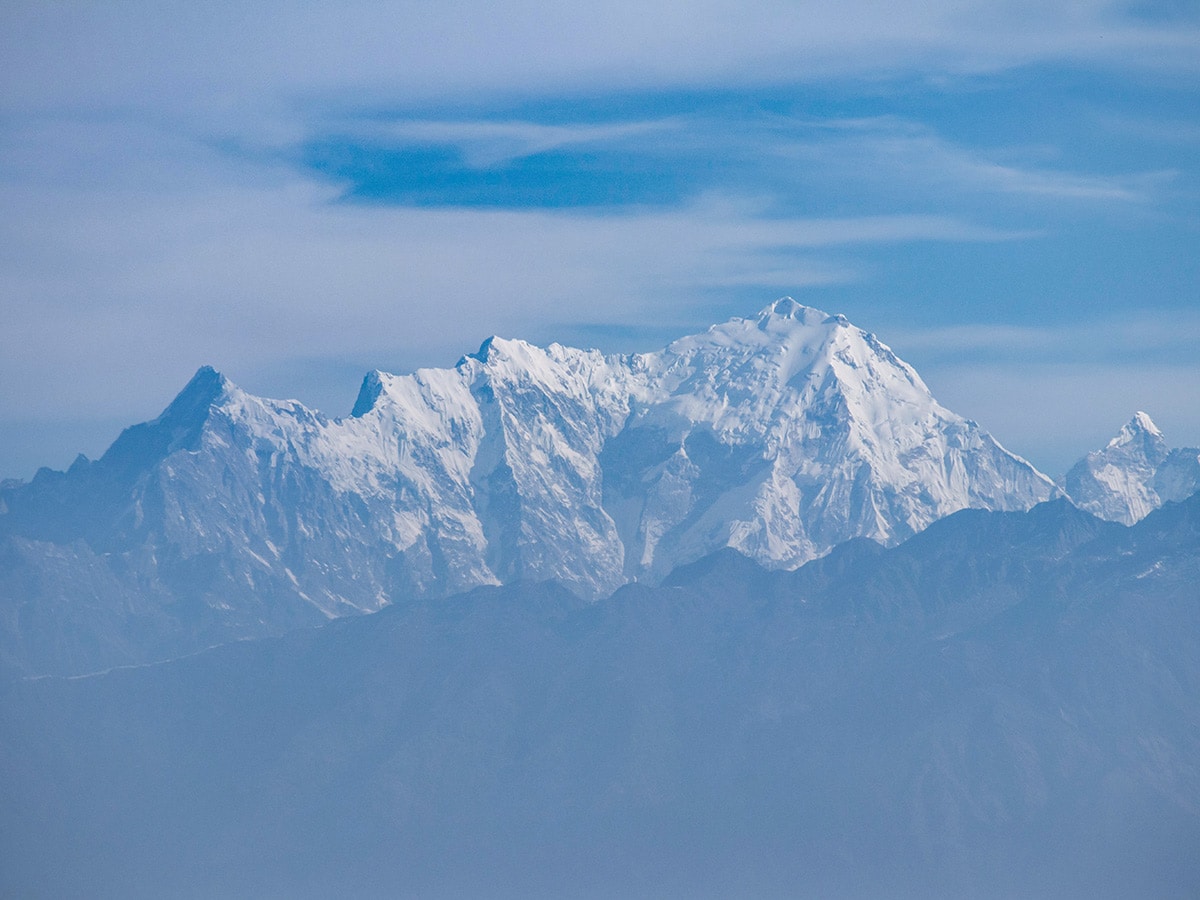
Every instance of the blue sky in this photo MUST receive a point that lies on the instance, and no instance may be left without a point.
(1005, 192)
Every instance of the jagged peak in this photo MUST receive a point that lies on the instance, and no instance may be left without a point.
(1140, 426)
(368, 393)
(785, 340)
(783, 322)
(1145, 423)
(206, 376)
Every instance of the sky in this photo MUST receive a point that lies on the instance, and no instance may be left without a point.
(1006, 193)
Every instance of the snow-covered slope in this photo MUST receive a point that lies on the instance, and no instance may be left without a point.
(1134, 474)
(787, 433)
(782, 435)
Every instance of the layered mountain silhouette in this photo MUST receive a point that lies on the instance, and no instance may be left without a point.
(1005, 704)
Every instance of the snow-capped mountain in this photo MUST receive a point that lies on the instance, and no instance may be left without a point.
(1134, 474)
(780, 435)
(785, 434)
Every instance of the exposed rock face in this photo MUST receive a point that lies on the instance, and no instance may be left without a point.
(780, 435)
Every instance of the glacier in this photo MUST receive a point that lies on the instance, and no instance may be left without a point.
(780, 435)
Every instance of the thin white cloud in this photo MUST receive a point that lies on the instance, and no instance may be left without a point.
(901, 156)
(973, 171)
(112, 290)
(130, 253)
(1160, 130)
(911, 155)
(232, 62)
(487, 143)
(1148, 339)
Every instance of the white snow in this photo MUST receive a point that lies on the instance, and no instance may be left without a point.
(781, 434)
(1121, 482)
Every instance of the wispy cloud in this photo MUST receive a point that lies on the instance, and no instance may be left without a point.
(166, 204)
(1168, 130)
(789, 161)
(912, 154)
(112, 289)
(230, 61)
(483, 143)
(973, 171)
(1133, 338)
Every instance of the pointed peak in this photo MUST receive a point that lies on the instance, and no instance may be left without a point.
(784, 306)
(180, 425)
(368, 393)
(1141, 426)
(1141, 421)
(207, 376)
(204, 389)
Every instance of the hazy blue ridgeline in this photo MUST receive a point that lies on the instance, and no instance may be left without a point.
(1006, 704)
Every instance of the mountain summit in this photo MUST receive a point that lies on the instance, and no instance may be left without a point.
(819, 432)
(1134, 474)
(780, 435)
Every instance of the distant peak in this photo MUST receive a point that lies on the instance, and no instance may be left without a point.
(179, 426)
(1140, 426)
(497, 349)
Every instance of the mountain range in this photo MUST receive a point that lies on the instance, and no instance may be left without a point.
(781, 435)
(752, 615)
